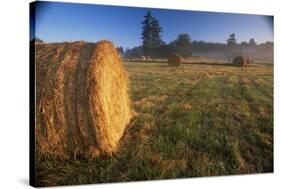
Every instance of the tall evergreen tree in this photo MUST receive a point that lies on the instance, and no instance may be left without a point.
(155, 33)
(232, 46)
(151, 38)
(146, 32)
(231, 41)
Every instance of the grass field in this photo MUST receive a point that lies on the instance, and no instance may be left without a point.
(196, 120)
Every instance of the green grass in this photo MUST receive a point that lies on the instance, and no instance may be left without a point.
(196, 120)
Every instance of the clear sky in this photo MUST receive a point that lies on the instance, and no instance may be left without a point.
(122, 25)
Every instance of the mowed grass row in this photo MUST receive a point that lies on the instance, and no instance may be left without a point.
(196, 120)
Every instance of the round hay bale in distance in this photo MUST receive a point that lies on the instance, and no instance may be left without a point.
(82, 103)
(174, 60)
(240, 61)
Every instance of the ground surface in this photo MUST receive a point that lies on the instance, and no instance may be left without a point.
(196, 120)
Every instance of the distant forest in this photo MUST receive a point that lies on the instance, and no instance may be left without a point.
(154, 47)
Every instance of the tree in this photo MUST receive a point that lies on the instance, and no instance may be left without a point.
(232, 46)
(120, 50)
(244, 45)
(183, 44)
(252, 42)
(155, 33)
(146, 32)
(135, 52)
(231, 41)
(151, 38)
(127, 53)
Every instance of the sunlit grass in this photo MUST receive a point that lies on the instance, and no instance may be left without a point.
(196, 120)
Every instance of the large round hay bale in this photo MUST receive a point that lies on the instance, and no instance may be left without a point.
(240, 61)
(174, 60)
(82, 104)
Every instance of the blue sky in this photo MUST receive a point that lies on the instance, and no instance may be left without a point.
(122, 25)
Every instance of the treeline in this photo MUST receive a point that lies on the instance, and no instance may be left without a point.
(201, 48)
(154, 47)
